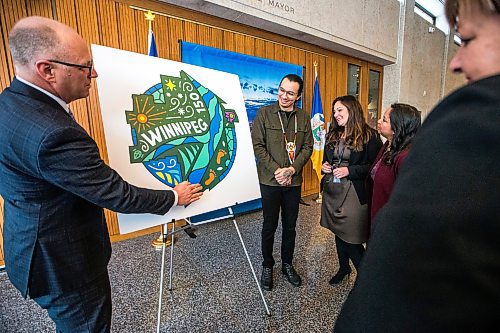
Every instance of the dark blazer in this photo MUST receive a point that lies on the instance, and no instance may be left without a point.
(54, 183)
(433, 263)
(359, 165)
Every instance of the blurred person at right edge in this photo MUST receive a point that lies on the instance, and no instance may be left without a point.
(350, 149)
(398, 125)
(433, 262)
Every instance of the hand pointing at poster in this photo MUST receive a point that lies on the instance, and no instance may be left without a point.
(187, 193)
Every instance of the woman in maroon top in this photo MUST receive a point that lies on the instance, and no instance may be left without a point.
(398, 125)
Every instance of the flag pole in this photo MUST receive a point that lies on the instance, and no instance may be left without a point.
(319, 199)
(150, 17)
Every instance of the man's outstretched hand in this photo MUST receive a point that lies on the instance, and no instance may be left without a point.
(187, 193)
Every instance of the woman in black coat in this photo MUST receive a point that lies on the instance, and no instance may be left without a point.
(351, 147)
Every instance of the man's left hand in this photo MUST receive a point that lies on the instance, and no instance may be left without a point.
(284, 175)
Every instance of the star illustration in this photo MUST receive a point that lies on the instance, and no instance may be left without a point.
(170, 85)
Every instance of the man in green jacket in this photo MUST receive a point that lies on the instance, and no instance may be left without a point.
(283, 143)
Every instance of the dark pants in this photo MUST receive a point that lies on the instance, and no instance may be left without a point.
(275, 198)
(346, 251)
(85, 310)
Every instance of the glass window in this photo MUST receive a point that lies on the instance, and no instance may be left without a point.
(425, 14)
(373, 98)
(433, 12)
(353, 77)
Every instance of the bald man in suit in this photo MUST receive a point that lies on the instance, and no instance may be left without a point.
(55, 185)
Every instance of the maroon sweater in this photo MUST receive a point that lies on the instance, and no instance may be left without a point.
(384, 178)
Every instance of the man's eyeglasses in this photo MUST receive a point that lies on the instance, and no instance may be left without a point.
(290, 94)
(89, 67)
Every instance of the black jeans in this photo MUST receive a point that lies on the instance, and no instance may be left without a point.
(274, 199)
(346, 251)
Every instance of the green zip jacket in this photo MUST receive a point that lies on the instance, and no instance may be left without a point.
(269, 143)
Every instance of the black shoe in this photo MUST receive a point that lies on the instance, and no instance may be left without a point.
(291, 275)
(266, 280)
(339, 277)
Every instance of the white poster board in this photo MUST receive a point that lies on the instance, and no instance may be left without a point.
(166, 122)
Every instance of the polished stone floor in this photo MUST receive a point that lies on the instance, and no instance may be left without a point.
(213, 286)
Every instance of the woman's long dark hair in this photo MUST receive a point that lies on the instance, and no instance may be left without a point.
(405, 122)
(358, 133)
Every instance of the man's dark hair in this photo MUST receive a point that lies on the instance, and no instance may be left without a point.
(294, 78)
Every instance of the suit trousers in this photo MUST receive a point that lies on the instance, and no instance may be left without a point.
(87, 309)
(274, 199)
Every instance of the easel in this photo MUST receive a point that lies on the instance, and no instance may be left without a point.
(165, 237)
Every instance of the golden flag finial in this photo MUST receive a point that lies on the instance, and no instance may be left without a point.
(315, 63)
(150, 17)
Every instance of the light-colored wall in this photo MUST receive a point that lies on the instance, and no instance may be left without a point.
(423, 65)
(386, 32)
(364, 29)
(452, 81)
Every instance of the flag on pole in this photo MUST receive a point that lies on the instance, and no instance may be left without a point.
(152, 44)
(152, 51)
(318, 128)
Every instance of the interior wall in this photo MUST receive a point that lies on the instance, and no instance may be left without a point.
(365, 29)
(115, 23)
(423, 65)
(386, 32)
(452, 81)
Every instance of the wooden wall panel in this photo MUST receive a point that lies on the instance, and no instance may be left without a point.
(260, 48)
(175, 34)
(39, 8)
(114, 23)
(141, 30)
(5, 63)
(11, 12)
(107, 16)
(126, 30)
(239, 44)
(190, 33)
(249, 45)
(160, 29)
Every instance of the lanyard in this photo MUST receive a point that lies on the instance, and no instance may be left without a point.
(289, 145)
(340, 154)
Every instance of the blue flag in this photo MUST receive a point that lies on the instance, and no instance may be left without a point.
(152, 44)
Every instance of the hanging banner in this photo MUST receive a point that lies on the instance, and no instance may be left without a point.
(259, 82)
(259, 77)
(166, 122)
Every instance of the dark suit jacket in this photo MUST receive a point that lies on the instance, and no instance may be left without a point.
(54, 184)
(433, 261)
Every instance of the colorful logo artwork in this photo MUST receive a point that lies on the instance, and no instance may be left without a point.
(182, 131)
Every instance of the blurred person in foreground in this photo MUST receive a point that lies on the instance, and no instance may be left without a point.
(54, 182)
(398, 125)
(433, 260)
